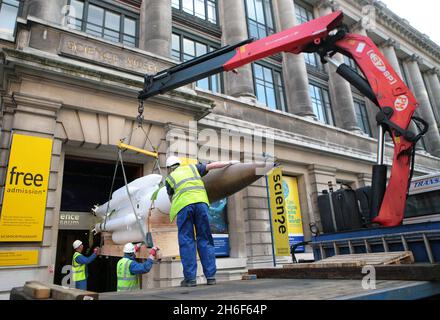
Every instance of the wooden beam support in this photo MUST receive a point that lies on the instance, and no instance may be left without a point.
(383, 272)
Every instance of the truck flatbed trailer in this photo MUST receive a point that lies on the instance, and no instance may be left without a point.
(288, 289)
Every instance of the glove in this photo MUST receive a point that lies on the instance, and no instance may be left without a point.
(137, 247)
(96, 251)
(153, 251)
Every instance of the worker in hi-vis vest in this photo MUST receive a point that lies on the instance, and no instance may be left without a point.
(128, 269)
(189, 203)
(79, 264)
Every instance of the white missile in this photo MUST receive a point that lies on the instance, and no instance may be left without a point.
(219, 183)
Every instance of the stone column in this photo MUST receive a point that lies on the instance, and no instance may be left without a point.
(155, 27)
(237, 226)
(259, 239)
(234, 29)
(364, 179)
(319, 176)
(51, 11)
(294, 68)
(342, 97)
(432, 137)
(388, 49)
(433, 84)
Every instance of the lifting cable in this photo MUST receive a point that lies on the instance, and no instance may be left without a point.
(110, 196)
(139, 119)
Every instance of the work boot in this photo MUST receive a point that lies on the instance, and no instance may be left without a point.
(210, 281)
(188, 283)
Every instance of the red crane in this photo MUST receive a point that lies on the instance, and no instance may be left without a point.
(327, 36)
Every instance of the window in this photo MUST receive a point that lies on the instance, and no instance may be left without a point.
(361, 116)
(185, 48)
(269, 87)
(352, 64)
(203, 9)
(103, 22)
(259, 18)
(423, 204)
(321, 103)
(304, 15)
(8, 16)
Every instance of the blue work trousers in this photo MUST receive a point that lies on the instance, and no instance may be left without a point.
(195, 215)
(82, 285)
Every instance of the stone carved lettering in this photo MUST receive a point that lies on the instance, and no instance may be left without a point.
(101, 54)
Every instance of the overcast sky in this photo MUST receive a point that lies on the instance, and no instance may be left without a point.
(424, 15)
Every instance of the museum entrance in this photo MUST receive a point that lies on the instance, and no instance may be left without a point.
(87, 182)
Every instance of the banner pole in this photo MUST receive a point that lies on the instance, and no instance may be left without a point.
(270, 220)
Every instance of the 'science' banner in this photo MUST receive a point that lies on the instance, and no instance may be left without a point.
(25, 194)
(278, 212)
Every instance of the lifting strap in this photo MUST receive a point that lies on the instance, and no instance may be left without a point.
(122, 147)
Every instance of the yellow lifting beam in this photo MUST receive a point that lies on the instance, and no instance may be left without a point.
(122, 145)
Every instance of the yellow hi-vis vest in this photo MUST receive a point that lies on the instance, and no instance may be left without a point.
(126, 280)
(188, 188)
(79, 270)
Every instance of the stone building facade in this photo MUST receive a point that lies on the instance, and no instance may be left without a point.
(72, 74)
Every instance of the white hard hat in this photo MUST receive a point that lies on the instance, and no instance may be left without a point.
(129, 248)
(76, 244)
(172, 160)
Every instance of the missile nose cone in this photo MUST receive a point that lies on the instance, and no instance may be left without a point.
(222, 183)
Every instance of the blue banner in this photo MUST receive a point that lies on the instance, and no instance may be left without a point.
(219, 227)
(297, 239)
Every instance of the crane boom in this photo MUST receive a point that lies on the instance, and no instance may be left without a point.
(381, 84)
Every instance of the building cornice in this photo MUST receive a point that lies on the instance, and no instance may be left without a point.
(402, 27)
(50, 66)
(391, 43)
(434, 71)
(414, 58)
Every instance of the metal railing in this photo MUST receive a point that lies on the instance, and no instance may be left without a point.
(386, 240)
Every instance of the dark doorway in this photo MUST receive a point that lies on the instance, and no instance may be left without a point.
(87, 182)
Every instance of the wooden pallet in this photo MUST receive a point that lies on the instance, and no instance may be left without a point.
(359, 260)
(164, 234)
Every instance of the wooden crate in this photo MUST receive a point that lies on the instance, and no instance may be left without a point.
(164, 235)
(359, 260)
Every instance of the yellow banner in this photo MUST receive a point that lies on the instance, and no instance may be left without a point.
(25, 192)
(278, 212)
(18, 258)
(294, 218)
